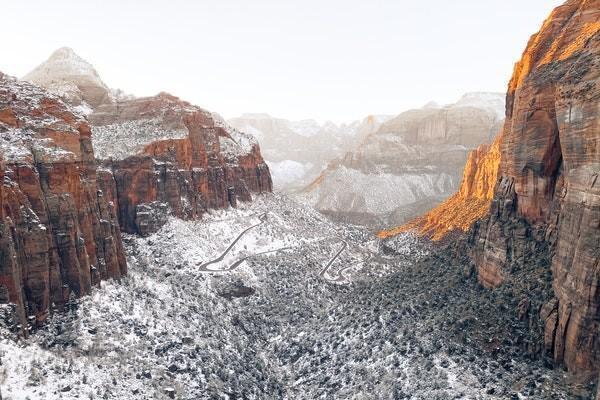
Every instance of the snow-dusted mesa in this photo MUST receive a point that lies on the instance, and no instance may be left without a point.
(128, 127)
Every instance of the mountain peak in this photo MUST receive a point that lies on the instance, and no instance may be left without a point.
(64, 52)
(63, 64)
(63, 71)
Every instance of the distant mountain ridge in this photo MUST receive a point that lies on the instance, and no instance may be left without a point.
(297, 151)
(411, 163)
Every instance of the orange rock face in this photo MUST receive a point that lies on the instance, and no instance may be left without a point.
(550, 161)
(470, 203)
(58, 234)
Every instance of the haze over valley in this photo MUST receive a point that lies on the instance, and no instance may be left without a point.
(402, 247)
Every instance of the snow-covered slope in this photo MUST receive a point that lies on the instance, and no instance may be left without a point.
(371, 194)
(278, 326)
(288, 172)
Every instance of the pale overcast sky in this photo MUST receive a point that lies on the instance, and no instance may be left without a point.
(329, 60)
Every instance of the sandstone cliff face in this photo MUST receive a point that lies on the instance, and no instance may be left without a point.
(163, 155)
(412, 163)
(548, 188)
(58, 233)
(545, 212)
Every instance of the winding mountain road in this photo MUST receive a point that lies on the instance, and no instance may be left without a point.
(204, 267)
(325, 270)
(339, 277)
(341, 273)
(239, 262)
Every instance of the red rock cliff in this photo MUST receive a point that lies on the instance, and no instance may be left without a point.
(58, 233)
(164, 156)
(160, 155)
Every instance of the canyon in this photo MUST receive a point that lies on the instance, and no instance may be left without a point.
(80, 165)
(150, 248)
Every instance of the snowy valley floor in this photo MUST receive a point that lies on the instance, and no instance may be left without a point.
(281, 324)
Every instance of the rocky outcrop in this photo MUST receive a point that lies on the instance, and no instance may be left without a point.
(59, 234)
(412, 163)
(163, 155)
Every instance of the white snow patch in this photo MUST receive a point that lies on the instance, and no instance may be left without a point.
(288, 171)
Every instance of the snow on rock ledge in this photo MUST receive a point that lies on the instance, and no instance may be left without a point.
(164, 150)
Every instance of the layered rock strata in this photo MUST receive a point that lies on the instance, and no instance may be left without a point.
(59, 234)
(163, 156)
